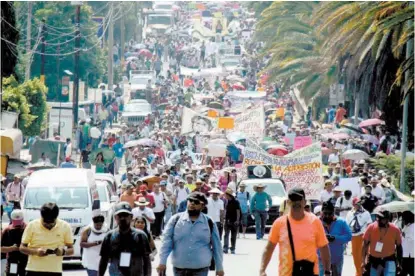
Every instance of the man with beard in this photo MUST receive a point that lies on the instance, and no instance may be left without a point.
(288, 231)
(192, 252)
(126, 249)
(383, 239)
(338, 233)
(10, 242)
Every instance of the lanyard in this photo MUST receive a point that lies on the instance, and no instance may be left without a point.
(380, 236)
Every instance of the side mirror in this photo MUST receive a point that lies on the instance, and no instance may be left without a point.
(114, 198)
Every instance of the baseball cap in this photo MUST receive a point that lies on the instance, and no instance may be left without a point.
(67, 159)
(317, 209)
(17, 217)
(355, 200)
(122, 207)
(163, 183)
(296, 194)
(381, 213)
(198, 196)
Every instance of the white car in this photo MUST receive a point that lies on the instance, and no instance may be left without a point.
(135, 113)
(107, 201)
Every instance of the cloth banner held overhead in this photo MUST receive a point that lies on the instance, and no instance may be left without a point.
(303, 168)
(251, 123)
(193, 122)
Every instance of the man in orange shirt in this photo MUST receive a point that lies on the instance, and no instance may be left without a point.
(305, 243)
(129, 195)
(383, 240)
(340, 112)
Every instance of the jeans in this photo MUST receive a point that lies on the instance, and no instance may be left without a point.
(190, 272)
(388, 270)
(336, 269)
(260, 221)
(92, 272)
(233, 229)
(103, 125)
(220, 229)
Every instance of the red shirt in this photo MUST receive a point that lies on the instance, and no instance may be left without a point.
(340, 114)
(111, 141)
(389, 237)
(148, 197)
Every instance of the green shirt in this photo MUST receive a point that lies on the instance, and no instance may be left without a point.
(100, 168)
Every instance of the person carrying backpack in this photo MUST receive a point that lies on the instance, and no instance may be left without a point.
(358, 220)
(180, 194)
(192, 254)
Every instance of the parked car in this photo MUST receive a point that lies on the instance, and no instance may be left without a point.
(108, 199)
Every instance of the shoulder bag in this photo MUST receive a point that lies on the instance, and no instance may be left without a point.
(301, 267)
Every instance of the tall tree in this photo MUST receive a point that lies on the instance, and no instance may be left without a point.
(10, 38)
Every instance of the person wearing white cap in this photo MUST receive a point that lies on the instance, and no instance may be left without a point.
(91, 240)
(10, 241)
(216, 209)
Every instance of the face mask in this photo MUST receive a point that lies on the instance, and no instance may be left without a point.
(194, 212)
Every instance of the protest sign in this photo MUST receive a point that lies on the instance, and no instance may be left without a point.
(302, 169)
(351, 184)
(193, 122)
(217, 150)
(251, 123)
(212, 113)
(226, 123)
(302, 141)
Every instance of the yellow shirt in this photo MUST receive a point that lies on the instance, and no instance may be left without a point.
(36, 235)
(191, 186)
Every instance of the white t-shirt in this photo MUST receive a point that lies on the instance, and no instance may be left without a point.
(363, 218)
(342, 202)
(408, 241)
(324, 195)
(159, 202)
(333, 158)
(181, 194)
(379, 193)
(214, 207)
(137, 212)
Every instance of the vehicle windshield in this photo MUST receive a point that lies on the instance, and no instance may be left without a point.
(139, 81)
(273, 189)
(64, 197)
(159, 19)
(137, 108)
(102, 193)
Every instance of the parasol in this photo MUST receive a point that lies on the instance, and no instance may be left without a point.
(106, 152)
(238, 86)
(396, 207)
(146, 142)
(139, 46)
(236, 78)
(371, 122)
(355, 154)
(353, 127)
(131, 144)
(145, 52)
(215, 105)
(280, 151)
(265, 144)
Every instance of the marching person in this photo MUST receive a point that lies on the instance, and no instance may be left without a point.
(232, 219)
(358, 219)
(143, 211)
(258, 206)
(408, 244)
(160, 200)
(126, 249)
(216, 209)
(297, 247)
(91, 240)
(46, 241)
(192, 253)
(243, 198)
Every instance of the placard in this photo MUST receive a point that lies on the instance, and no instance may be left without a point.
(216, 150)
(212, 113)
(251, 123)
(351, 184)
(226, 123)
(302, 141)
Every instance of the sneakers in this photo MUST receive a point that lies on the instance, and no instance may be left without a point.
(233, 252)
(225, 251)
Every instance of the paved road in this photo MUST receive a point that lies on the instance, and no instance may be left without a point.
(246, 261)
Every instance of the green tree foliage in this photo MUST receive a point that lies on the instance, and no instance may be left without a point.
(11, 34)
(29, 100)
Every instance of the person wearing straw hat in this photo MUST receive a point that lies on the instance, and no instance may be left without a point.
(216, 209)
(232, 218)
(144, 211)
(258, 206)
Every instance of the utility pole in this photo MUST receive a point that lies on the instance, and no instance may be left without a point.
(409, 53)
(110, 48)
(122, 27)
(28, 39)
(76, 69)
(58, 89)
(43, 57)
(136, 16)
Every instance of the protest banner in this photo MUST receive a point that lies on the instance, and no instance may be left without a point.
(251, 123)
(351, 184)
(217, 150)
(226, 123)
(302, 141)
(302, 169)
(289, 138)
(193, 122)
(243, 98)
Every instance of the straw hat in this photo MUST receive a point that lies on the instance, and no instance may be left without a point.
(141, 202)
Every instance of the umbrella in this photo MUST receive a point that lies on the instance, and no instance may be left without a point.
(276, 146)
(145, 52)
(396, 207)
(278, 151)
(353, 127)
(215, 105)
(40, 166)
(139, 46)
(371, 122)
(371, 139)
(106, 152)
(235, 78)
(131, 144)
(355, 154)
(238, 86)
(146, 142)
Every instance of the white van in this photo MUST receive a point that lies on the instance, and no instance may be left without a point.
(73, 190)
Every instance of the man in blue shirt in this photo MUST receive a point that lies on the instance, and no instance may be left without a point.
(119, 153)
(258, 206)
(331, 114)
(193, 239)
(243, 198)
(68, 163)
(338, 233)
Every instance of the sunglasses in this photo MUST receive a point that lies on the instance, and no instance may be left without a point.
(194, 201)
(98, 219)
